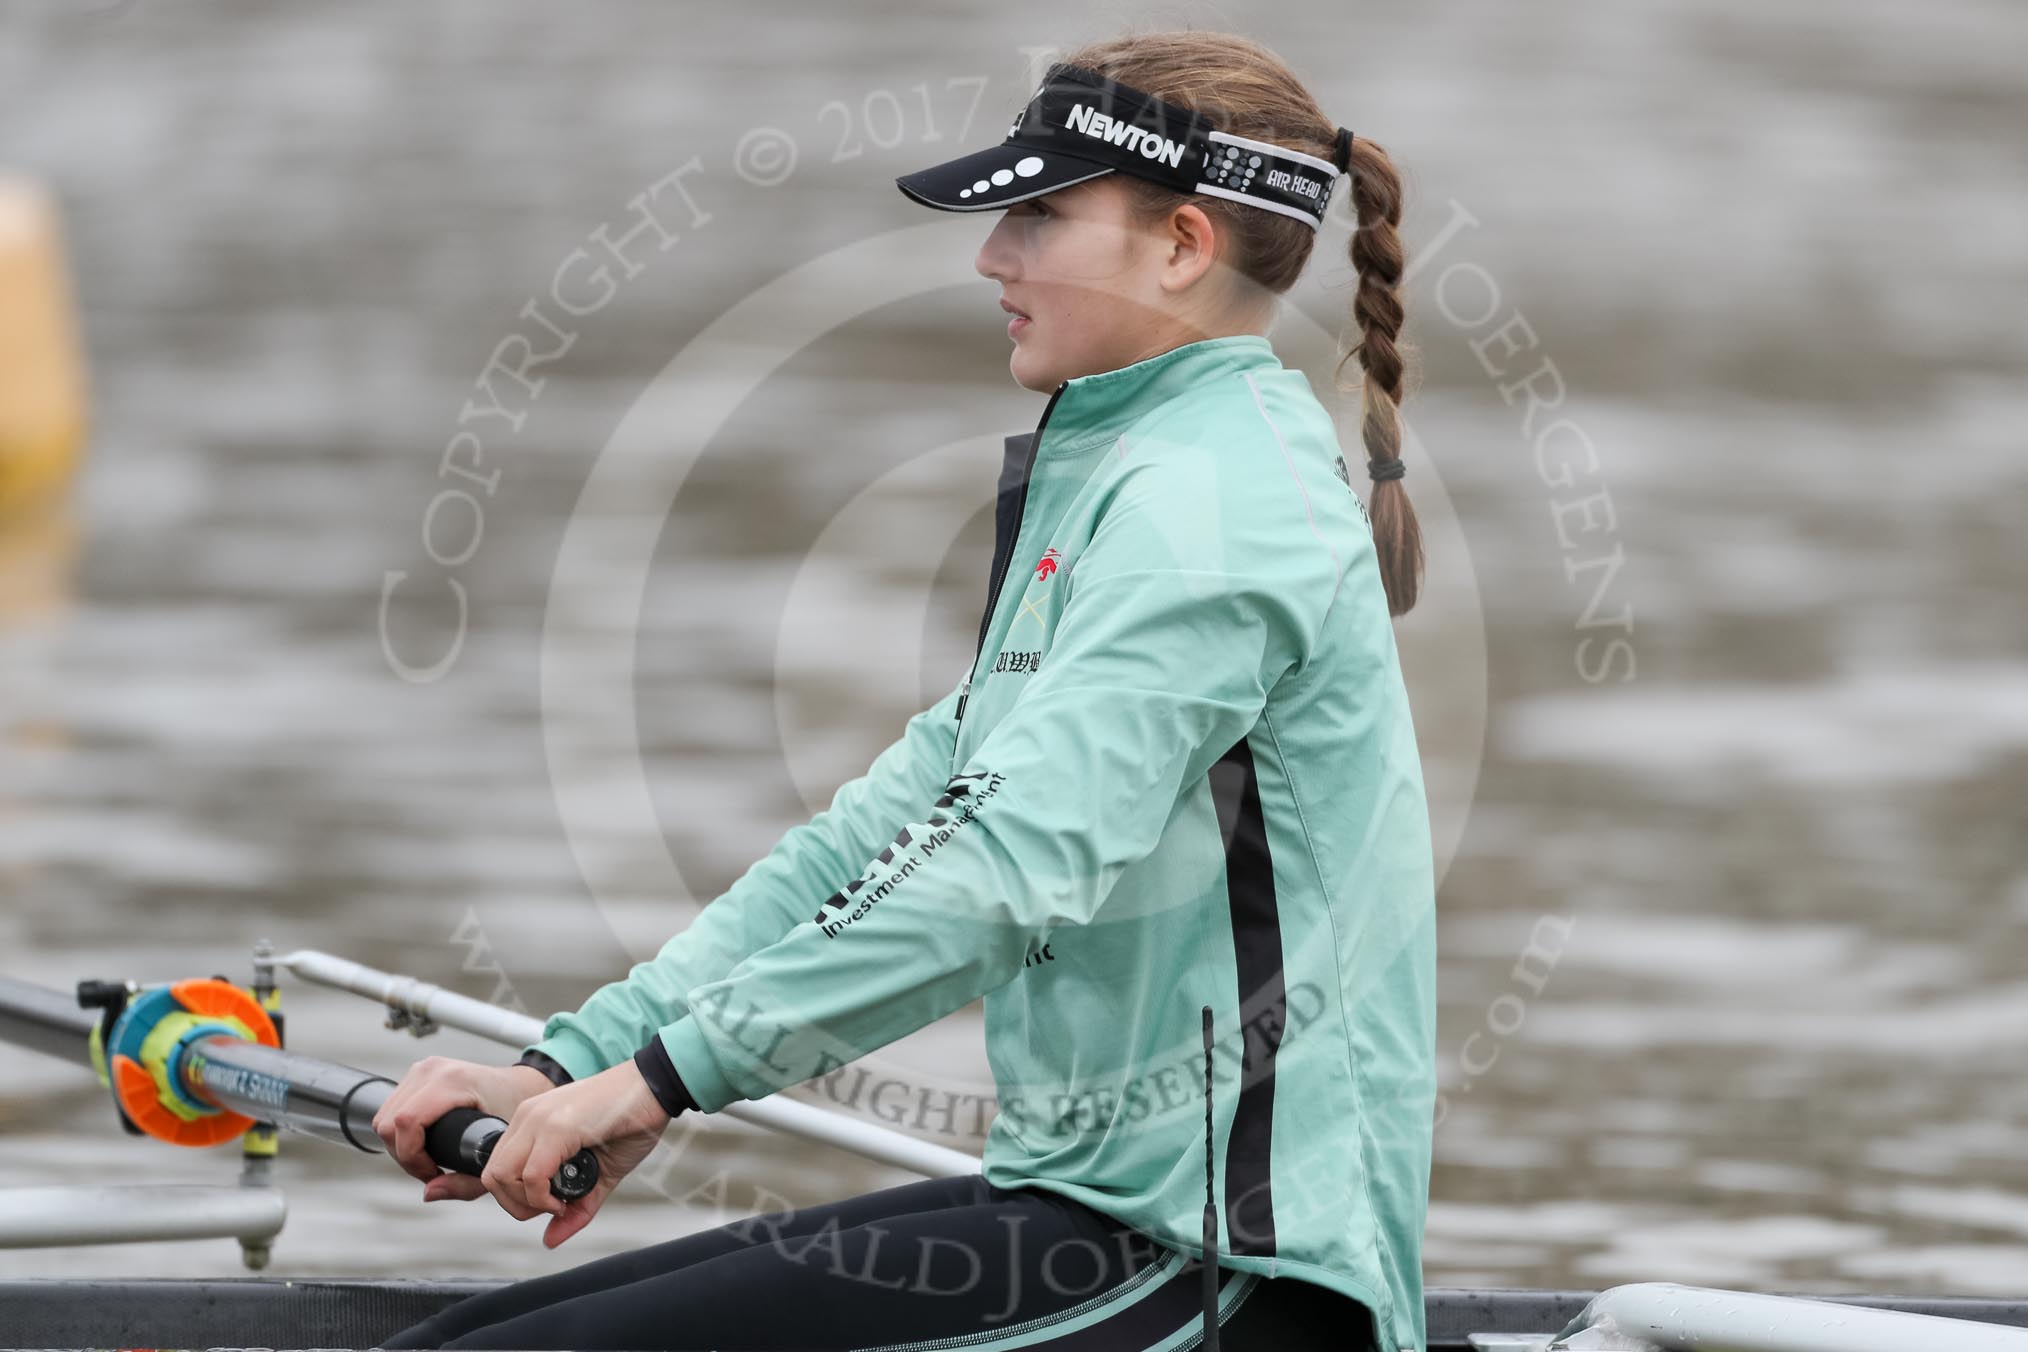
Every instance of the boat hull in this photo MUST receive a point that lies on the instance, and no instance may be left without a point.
(337, 1313)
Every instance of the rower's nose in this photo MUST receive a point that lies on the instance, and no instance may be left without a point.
(998, 260)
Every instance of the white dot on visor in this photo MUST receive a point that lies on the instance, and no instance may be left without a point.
(981, 186)
(1029, 167)
(1003, 177)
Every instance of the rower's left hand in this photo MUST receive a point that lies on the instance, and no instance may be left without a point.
(613, 1112)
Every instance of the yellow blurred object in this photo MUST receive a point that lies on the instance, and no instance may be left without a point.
(38, 552)
(42, 382)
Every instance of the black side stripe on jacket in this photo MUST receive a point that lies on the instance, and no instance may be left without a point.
(1249, 1224)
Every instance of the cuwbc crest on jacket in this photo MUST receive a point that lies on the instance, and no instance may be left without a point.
(1182, 763)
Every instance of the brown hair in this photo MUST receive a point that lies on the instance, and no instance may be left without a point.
(1245, 89)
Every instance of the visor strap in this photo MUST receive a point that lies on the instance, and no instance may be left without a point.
(1212, 189)
(1298, 176)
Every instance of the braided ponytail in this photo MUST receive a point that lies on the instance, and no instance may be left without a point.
(1250, 91)
(1377, 256)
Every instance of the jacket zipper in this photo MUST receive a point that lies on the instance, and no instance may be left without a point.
(1007, 563)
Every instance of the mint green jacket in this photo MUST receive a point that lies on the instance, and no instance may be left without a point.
(1182, 772)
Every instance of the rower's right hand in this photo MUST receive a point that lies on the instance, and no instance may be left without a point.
(434, 1086)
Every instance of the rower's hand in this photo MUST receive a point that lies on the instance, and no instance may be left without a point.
(613, 1113)
(434, 1086)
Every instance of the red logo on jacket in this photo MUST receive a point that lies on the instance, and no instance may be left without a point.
(1047, 566)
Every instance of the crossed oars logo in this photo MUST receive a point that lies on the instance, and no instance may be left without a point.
(1031, 605)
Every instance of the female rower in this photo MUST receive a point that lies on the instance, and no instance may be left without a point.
(1179, 782)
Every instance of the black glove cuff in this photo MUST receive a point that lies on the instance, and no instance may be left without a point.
(663, 1081)
(546, 1064)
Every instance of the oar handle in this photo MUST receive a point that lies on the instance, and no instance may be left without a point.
(462, 1141)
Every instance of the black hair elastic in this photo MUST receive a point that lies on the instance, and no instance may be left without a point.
(1385, 469)
(1341, 151)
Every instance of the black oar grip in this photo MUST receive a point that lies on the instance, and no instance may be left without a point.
(462, 1141)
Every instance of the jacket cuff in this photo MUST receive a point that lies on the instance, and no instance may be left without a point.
(571, 1050)
(683, 1042)
(663, 1082)
(547, 1065)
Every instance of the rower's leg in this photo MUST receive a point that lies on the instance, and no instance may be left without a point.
(517, 1298)
(1030, 1266)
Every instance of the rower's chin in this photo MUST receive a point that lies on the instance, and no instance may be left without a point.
(1029, 369)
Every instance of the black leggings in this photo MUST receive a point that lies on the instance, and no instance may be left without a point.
(955, 1260)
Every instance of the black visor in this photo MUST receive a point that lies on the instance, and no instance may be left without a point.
(1080, 125)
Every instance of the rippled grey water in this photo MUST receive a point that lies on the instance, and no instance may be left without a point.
(1732, 937)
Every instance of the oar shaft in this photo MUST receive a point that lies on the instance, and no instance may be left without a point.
(337, 1103)
(45, 1021)
(270, 1084)
(299, 1093)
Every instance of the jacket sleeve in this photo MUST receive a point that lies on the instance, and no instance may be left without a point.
(1181, 615)
(764, 904)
